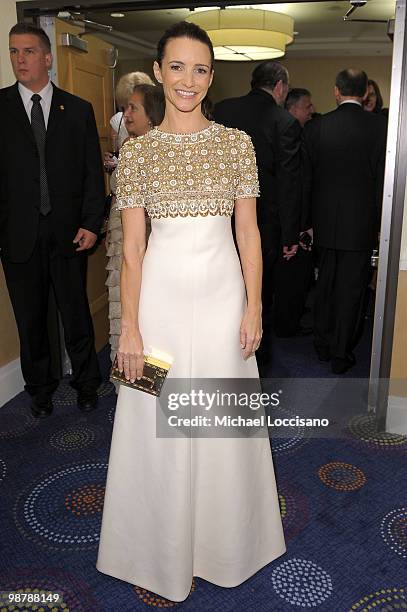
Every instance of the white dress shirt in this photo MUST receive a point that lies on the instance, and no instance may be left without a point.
(350, 102)
(46, 98)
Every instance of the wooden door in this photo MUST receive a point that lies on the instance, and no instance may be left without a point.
(88, 76)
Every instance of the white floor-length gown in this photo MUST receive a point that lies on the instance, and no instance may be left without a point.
(182, 507)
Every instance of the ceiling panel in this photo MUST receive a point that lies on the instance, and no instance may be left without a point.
(320, 26)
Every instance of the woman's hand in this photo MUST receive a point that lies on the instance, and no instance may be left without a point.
(109, 162)
(130, 355)
(250, 332)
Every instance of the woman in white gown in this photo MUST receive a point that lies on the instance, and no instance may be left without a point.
(188, 506)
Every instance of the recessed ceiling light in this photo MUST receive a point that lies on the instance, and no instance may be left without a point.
(116, 14)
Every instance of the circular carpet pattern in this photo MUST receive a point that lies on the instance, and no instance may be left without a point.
(294, 509)
(151, 599)
(383, 600)
(75, 594)
(3, 470)
(62, 509)
(393, 529)
(302, 583)
(363, 427)
(66, 396)
(286, 439)
(342, 476)
(75, 437)
(15, 421)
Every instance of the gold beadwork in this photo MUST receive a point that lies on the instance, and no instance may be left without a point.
(184, 175)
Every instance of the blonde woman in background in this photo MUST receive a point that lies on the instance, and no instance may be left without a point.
(124, 90)
(119, 133)
(144, 110)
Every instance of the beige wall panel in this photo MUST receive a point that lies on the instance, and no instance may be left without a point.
(318, 75)
(314, 73)
(8, 16)
(144, 65)
(399, 357)
(9, 345)
(88, 76)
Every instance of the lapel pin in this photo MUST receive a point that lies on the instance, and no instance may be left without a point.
(62, 107)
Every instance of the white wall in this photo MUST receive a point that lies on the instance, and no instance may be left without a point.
(8, 17)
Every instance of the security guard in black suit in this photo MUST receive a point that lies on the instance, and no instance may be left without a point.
(51, 209)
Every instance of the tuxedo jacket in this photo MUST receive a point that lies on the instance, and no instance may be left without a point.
(276, 137)
(343, 158)
(74, 173)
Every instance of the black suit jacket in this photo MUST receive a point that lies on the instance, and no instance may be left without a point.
(74, 173)
(343, 157)
(276, 137)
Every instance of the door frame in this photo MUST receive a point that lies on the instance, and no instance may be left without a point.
(35, 8)
(395, 174)
(391, 227)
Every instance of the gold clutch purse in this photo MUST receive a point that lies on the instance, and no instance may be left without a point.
(154, 374)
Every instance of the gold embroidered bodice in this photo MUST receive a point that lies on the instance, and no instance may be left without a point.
(196, 174)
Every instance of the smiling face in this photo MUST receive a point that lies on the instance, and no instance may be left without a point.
(30, 60)
(135, 116)
(185, 72)
(371, 99)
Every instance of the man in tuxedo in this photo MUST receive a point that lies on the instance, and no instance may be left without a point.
(276, 139)
(291, 298)
(51, 209)
(299, 104)
(344, 154)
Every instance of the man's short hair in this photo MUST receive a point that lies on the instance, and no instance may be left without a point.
(27, 28)
(268, 73)
(352, 82)
(294, 95)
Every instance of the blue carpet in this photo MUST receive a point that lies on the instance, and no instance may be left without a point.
(296, 358)
(343, 502)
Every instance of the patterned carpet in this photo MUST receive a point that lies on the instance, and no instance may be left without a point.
(343, 502)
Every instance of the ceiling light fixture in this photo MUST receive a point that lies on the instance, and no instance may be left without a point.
(246, 34)
(117, 15)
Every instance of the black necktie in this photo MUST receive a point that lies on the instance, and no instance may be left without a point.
(38, 127)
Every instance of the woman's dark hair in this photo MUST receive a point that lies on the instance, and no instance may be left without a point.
(207, 108)
(379, 97)
(27, 28)
(153, 102)
(184, 29)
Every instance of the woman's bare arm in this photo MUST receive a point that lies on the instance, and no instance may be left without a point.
(248, 242)
(130, 352)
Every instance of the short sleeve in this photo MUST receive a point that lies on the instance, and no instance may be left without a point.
(248, 183)
(129, 184)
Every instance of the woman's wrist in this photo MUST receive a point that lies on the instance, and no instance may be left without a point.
(129, 329)
(254, 307)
